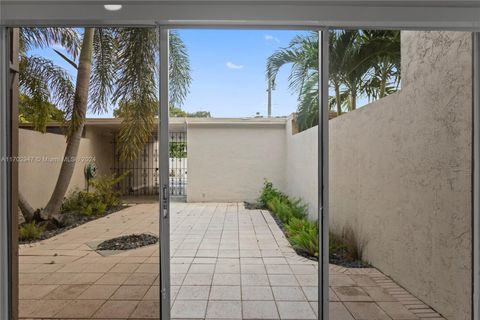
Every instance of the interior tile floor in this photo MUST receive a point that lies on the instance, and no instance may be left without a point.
(226, 263)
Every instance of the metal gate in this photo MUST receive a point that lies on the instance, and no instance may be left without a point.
(178, 163)
(142, 174)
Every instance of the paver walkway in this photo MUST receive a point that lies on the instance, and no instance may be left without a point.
(226, 262)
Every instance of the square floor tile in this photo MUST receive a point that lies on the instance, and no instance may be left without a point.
(288, 294)
(116, 310)
(351, 294)
(225, 293)
(184, 309)
(259, 310)
(224, 310)
(147, 310)
(130, 293)
(257, 293)
(226, 279)
(283, 280)
(198, 279)
(295, 310)
(366, 311)
(254, 280)
(80, 309)
(193, 293)
(339, 312)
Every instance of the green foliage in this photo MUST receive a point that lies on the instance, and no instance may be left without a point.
(178, 149)
(84, 203)
(302, 234)
(38, 113)
(268, 193)
(30, 231)
(178, 112)
(96, 203)
(105, 188)
(363, 63)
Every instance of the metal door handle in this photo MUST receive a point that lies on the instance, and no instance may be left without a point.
(165, 200)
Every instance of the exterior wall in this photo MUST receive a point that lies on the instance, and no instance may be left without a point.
(230, 162)
(37, 178)
(302, 167)
(400, 173)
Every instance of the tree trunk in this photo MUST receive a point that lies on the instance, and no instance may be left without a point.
(353, 101)
(73, 140)
(337, 98)
(25, 207)
(383, 82)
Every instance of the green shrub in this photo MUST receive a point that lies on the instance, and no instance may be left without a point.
(84, 203)
(268, 193)
(97, 202)
(298, 208)
(105, 188)
(30, 231)
(306, 239)
(302, 234)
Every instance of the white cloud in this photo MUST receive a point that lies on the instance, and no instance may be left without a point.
(269, 37)
(231, 65)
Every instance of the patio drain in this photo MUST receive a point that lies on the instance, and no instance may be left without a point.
(127, 242)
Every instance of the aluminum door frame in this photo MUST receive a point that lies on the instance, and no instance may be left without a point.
(5, 203)
(476, 176)
(163, 138)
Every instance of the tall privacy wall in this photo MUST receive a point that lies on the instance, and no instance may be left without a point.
(229, 159)
(400, 173)
(37, 177)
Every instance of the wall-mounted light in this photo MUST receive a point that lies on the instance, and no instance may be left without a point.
(112, 7)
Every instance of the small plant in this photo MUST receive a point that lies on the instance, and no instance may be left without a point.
(105, 188)
(96, 203)
(268, 193)
(84, 203)
(347, 243)
(302, 234)
(30, 231)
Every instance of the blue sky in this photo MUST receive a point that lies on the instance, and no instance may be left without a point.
(228, 71)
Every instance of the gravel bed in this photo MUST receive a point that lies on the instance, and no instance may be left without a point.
(128, 242)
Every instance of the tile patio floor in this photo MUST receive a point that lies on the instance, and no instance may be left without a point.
(226, 263)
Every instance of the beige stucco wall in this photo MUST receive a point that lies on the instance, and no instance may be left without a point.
(400, 173)
(302, 167)
(37, 178)
(228, 162)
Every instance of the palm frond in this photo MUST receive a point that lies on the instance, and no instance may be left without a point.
(42, 80)
(179, 70)
(136, 90)
(68, 38)
(104, 66)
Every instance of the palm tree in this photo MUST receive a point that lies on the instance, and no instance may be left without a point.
(302, 54)
(115, 66)
(361, 63)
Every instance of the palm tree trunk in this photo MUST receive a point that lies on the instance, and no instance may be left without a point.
(25, 207)
(353, 101)
(383, 82)
(337, 98)
(73, 140)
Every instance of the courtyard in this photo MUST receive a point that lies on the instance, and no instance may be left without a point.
(226, 262)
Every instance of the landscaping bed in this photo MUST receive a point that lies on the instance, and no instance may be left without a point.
(79, 207)
(128, 242)
(345, 248)
(41, 230)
